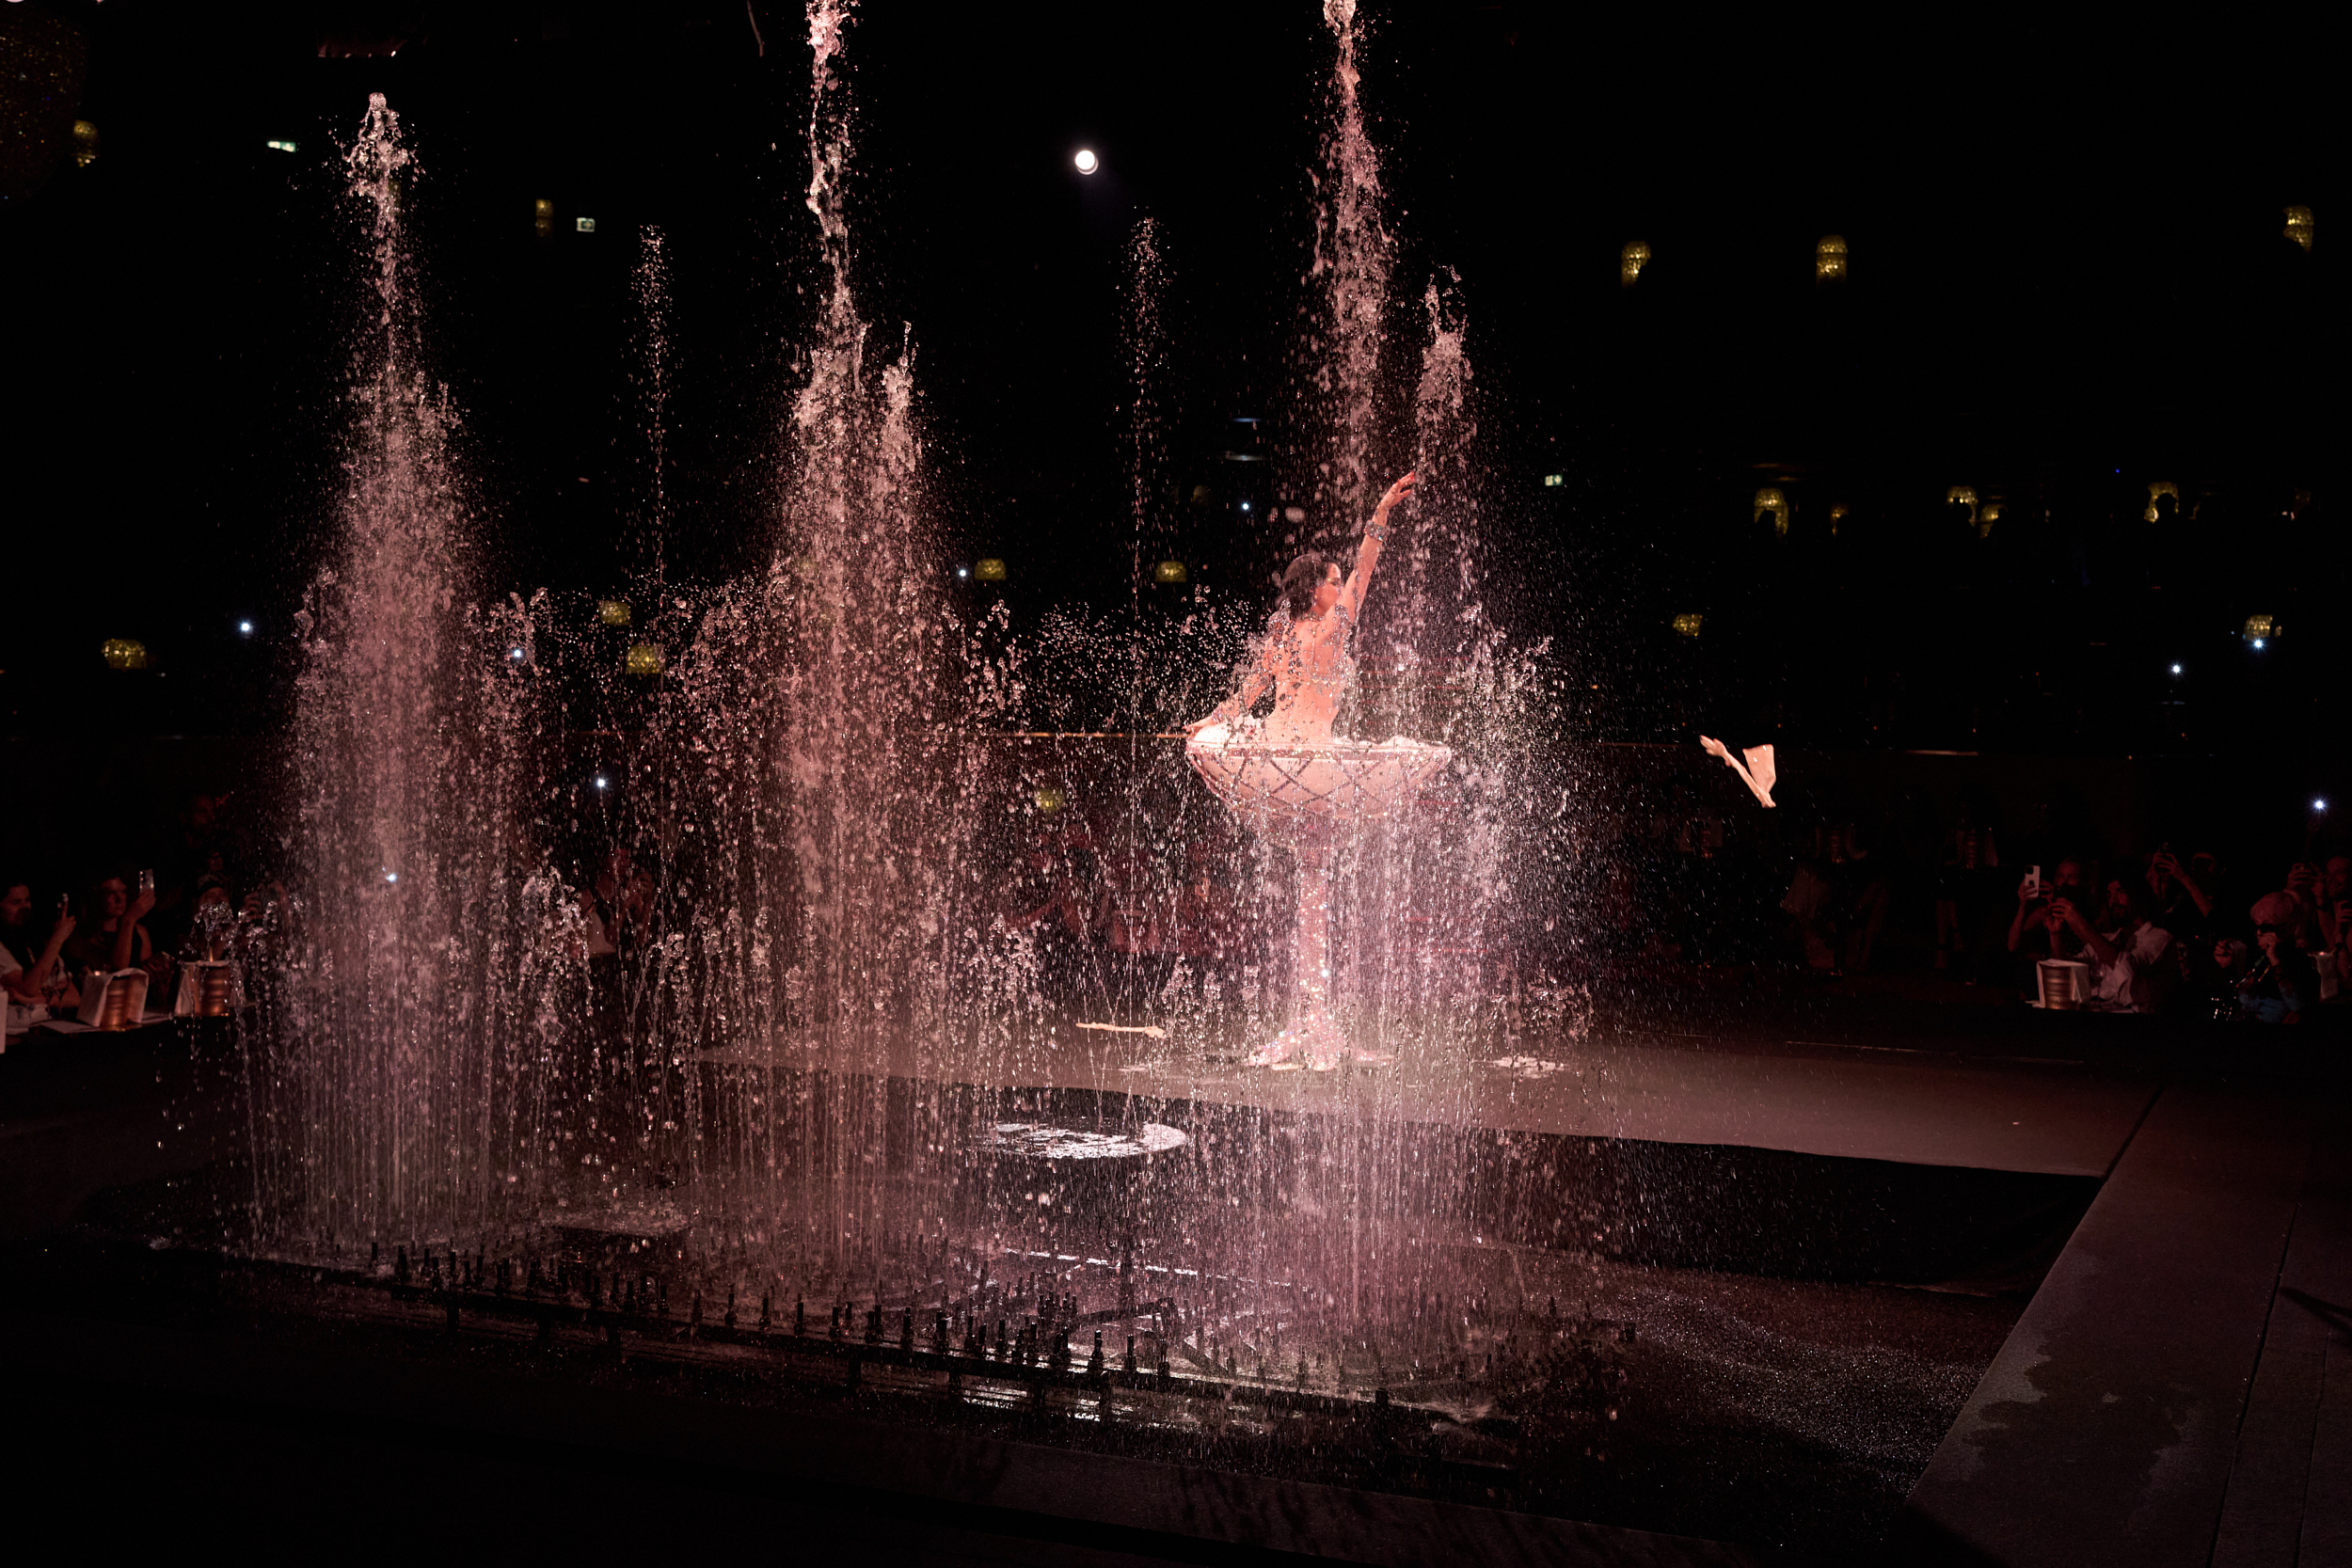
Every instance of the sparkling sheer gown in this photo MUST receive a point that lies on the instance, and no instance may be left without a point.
(1293, 781)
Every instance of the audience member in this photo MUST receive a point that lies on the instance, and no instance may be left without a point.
(2132, 962)
(2335, 922)
(2032, 935)
(33, 978)
(1208, 924)
(206, 929)
(2273, 981)
(115, 939)
(1970, 859)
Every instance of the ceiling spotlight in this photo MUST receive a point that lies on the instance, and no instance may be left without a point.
(2176, 669)
(599, 782)
(2320, 805)
(2259, 643)
(514, 653)
(246, 627)
(1086, 160)
(391, 876)
(963, 571)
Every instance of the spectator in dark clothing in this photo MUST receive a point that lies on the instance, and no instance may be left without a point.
(2273, 981)
(115, 937)
(2032, 935)
(2335, 921)
(1970, 862)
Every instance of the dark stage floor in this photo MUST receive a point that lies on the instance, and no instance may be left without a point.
(2173, 1392)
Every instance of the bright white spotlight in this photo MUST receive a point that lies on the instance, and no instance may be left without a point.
(514, 653)
(246, 627)
(2176, 669)
(600, 784)
(2320, 805)
(963, 571)
(391, 876)
(2258, 645)
(1088, 162)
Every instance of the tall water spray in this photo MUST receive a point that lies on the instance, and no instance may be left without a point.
(412, 1091)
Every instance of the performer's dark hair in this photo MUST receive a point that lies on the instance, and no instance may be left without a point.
(1300, 582)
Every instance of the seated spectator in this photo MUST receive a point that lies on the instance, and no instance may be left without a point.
(2273, 982)
(32, 977)
(115, 939)
(2032, 935)
(1208, 923)
(2181, 897)
(2132, 963)
(1971, 859)
(2335, 924)
(207, 930)
(1044, 891)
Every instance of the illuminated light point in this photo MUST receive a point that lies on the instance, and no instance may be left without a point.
(963, 571)
(281, 147)
(2320, 805)
(1245, 506)
(391, 876)
(599, 782)
(245, 627)
(2176, 669)
(2258, 643)
(1553, 481)
(514, 653)
(1086, 160)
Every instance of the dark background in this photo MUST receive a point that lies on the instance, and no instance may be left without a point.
(2068, 278)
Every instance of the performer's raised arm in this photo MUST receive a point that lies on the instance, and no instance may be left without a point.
(1368, 553)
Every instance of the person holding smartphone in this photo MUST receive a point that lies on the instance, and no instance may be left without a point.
(116, 939)
(2031, 935)
(33, 978)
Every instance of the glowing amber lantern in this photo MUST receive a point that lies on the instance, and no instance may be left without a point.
(2299, 227)
(2261, 629)
(1838, 514)
(612, 613)
(644, 659)
(989, 569)
(1049, 798)
(1770, 500)
(2157, 490)
(84, 144)
(1986, 517)
(1170, 572)
(1686, 624)
(1961, 495)
(1829, 258)
(1630, 262)
(543, 218)
(121, 653)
